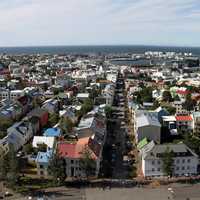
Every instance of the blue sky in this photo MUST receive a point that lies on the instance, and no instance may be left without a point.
(85, 22)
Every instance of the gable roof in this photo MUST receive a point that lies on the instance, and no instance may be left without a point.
(73, 150)
(152, 151)
(145, 118)
(183, 118)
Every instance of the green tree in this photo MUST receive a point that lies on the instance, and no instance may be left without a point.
(167, 159)
(28, 148)
(57, 168)
(9, 167)
(87, 106)
(167, 96)
(4, 167)
(170, 109)
(4, 125)
(189, 103)
(66, 125)
(87, 162)
(108, 112)
(42, 147)
(13, 173)
(53, 119)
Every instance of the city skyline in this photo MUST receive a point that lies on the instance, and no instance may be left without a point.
(99, 22)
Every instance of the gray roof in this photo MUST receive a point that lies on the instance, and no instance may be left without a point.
(145, 118)
(152, 151)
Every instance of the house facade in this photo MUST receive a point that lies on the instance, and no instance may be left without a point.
(185, 160)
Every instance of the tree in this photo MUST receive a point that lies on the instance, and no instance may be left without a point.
(13, 173)
(170, 109)
(87, 106)
(53, 119)
(108, 111)
(189, 103)
(4, 125)
(192, 142)
(167, 96)
(3, 167)
(28, 148)
(167, 159)
(42, 147)
(66, 125)
(87, 162)
(9, 167)
(57, 168)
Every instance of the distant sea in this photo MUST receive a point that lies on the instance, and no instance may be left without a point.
(95, 49)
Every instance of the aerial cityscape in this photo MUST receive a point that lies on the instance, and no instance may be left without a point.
(99, 100)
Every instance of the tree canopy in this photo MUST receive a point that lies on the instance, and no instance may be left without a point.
(167, 159)
(57, 168)
(87, 162)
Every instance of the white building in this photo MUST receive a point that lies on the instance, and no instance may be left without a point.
(49, 141)
(185, 160)
(13, 94)
(147, 125)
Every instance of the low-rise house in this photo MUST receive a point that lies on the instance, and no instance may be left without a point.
(170, 123)
(11, 111)
(41, 114)
(11, 94)
(82, 96)
(180, 110)
(19, 134)
(196, 123)
(185, 160)
(69, 113)
(184, 123)
(42, 162)
(108, 93)
(39, 140)
(52, 132)
(147, 125)
(51, 105)
(73, 153)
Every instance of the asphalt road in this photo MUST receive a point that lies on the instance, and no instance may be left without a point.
(172, 192)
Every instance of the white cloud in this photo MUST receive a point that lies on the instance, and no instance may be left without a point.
(63, 22)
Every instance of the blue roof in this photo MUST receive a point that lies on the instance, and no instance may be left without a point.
(44, 157)
(52, 132)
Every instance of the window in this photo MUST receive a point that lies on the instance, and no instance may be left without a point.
(177, 168)
(177, 161)
(183, 161)
(188, 160)
(41, 166)
(158, 162)
(72, 161)
(153, 162)
(183, 168)
(158, 169)
(41, 172)
(153, 169)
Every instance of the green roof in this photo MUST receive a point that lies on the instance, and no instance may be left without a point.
(142, 143)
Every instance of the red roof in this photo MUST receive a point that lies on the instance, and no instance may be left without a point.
(73, 150)
(182, 92)
(184, 118)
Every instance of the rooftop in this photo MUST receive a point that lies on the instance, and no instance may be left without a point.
(52, 132)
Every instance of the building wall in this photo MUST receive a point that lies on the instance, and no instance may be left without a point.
(182, 166)
(42, 169)
(73, 168)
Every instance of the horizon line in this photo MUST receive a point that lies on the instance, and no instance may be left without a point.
(101, 45)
